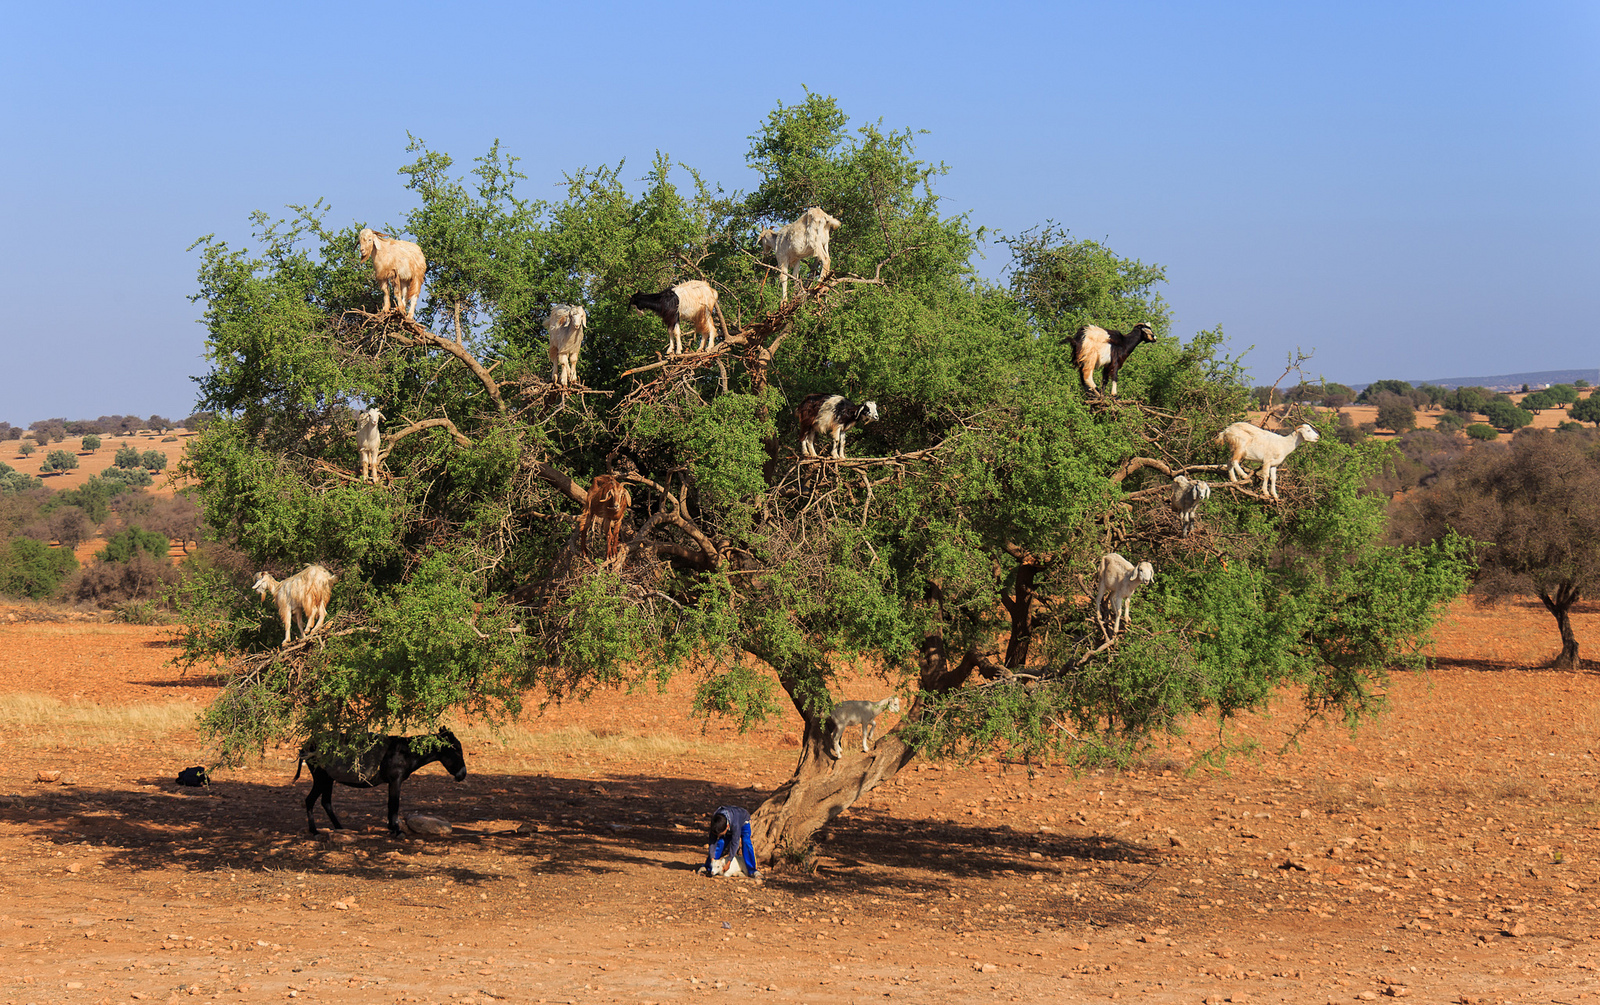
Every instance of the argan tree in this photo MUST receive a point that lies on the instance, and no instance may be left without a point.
(948, 553)
(1535, 504)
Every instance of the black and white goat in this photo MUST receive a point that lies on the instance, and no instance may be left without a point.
(1095, 347)
(693, 301)
(831, 415)
(388, 760)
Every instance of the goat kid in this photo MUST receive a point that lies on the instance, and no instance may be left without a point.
(565, 325)
(832, 415)
(396, 262)
(608, 500)
(388, 760)
(302, 597)
(856, 713)
(1118, 579)
(1095, 347)
(793, 243)
(369, 442)
(693, 301)
(1187, 495)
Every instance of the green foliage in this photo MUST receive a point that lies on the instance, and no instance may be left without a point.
(153, 460)
(59, 460)
(91, 443)
(12, 480)
(1450, 421)
(1587, 410)
(33, 569)
(1480, 431)
(1506, 416)
(133, 478)
(122, 546)
(963, 526)
(94, 496)
(128, 456)
(1370, 393)
(27, 447)
(1396, 413)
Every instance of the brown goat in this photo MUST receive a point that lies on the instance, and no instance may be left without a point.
(609, 500)
(397, 263)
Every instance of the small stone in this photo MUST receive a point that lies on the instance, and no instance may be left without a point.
(1368, 996)
(1304, 814)
(1034, 854)
(1396, 991)
(48, 776)
(340, 905)
(74, 985)
(420, 823)
(75, 867)
(1175, 841)
(988, 968)
(1519, 929)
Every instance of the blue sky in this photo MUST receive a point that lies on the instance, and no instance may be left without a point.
(1409, 189)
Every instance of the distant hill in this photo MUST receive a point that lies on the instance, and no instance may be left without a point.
(1510, 381)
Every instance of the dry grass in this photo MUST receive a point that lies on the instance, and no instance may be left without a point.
(38, 720)
(545, 750)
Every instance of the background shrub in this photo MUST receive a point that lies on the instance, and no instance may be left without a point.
(1479, 431)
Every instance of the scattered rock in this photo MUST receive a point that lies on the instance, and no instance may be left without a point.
(1174, 840)
(421, 823)
(1516, 930)
(48, 776)
(985, 968)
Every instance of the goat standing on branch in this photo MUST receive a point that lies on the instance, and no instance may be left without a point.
(302, 597)
(1095, 347)
(694, 302)
(1118, 579)
(1250, 442)
(369, 442)
(398, 262)
(565, 325)
(831, 415)
(608, 500)
(805, 238)
(1187, 495)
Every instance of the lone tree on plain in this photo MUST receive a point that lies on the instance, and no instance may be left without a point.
(91, 443)
(59, 460)
(1535, 503)
(946, 553)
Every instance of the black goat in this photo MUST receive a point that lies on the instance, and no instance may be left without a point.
(389, 759)
(1095, 347)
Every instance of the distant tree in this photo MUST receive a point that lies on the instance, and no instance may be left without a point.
(1337, 395)
(1537, 502)
(159, 423)
(134, 478)
(27, 447)
(1436, 394)
(1562, 394)
(1580, 382)
(128, 456)
(198, 421)
(154, 460)
(13, 432)
(1468, 399)
(71, 526)
(1395, 412)
(1348, 432)
(1587, 410)
(91, 443)
(179, 518)
(12, 480)
(94, 496)
(1450, 421)
(30, 568)
(1538, 401)
(1264, 397)
(1507, 416)
(59, 460)
(121, 547)
(1524, 389)
(1570, 427)
(1480, 431)
(1369, 394)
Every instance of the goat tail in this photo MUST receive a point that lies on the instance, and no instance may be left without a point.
(298, 766)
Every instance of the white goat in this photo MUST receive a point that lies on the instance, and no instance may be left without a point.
(398, 262)
(369, 440)
(1187, 495)
(805, 238)
(302, 597)
(565, 325)
(1251, 442)
(1118, 579)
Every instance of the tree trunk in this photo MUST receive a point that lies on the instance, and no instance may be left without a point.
(822, 788)
(1561, 606)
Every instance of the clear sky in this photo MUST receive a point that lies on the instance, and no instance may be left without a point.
(1409, 189)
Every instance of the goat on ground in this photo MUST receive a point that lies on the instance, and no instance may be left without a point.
(831, 415)
(805, 238)
(387, 760)
(732, 851)
(1246, 441)
(856, 713)
(608, 501)
(565, 325)
(1187, 495)
(398, 262)
(1095, 347)
(1118, 578)
(369, 441)
(302, 597)
(694, 302)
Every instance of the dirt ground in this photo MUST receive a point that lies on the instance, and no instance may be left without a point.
(1447, 852)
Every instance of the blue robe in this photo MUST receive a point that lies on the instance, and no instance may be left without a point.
(736, 841)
